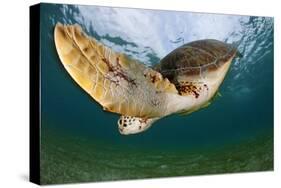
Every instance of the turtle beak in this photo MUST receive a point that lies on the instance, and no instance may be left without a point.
(120, 130)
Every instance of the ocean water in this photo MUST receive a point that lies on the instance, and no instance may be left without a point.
(80, 142)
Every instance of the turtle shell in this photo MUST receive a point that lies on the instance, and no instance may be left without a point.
(194, 58)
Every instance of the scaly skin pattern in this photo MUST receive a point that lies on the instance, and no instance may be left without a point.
(120, 84)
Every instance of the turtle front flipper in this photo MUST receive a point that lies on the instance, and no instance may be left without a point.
(134, 125)
(115, 81)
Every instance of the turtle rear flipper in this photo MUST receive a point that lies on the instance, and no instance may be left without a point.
(115, 81)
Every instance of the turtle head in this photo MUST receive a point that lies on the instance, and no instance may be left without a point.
(133, 125)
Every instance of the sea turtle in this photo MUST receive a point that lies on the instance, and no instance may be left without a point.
(183, 82)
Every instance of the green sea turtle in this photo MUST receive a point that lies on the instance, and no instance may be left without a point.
(183, 82)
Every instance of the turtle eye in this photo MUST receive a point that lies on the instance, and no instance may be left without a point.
(120, 122)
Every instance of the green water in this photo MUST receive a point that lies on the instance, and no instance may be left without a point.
(80, 142)
(69, 159)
